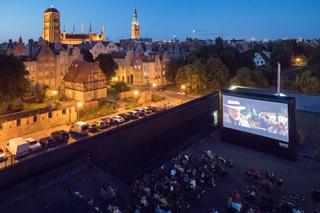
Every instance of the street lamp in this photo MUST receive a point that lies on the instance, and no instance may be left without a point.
(154, 86)
(79, 105)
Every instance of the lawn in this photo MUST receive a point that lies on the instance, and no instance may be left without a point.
(107, 109)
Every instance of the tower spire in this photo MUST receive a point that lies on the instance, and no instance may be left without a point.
(135, 14)
(90, 28)
(82, 29)
(73, 29)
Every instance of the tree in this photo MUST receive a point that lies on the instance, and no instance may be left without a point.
(215, 74)
(249, 78)
(13, 78)
(306, 83)
(108, 65)
(232, 59)
(190, 76)
(314, 61)
(87, 56)
(172, 69)
(282, 54)
(218, 45)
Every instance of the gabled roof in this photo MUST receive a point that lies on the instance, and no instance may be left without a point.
(79, 71)
(45, 51)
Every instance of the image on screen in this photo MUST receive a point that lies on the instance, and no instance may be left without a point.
(264, 118)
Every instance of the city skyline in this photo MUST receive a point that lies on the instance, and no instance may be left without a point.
(209, 19)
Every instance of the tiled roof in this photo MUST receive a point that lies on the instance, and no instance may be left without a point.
(79, 71)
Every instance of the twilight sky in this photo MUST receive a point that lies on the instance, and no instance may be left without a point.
(162, 19)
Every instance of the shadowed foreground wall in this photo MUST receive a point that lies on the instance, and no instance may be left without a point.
(128, 150)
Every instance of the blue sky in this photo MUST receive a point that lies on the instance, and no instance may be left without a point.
(162, 19)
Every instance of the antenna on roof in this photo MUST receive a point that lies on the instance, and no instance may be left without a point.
(82, 29)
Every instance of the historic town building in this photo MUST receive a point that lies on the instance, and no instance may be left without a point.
(85, 82)
(135, 26)
(49, 67)
(52, 30)
(141, 70)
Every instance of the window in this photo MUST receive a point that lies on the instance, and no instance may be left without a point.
(1, 125)
(18, 122)
(35, 118)
(64, 111)
(50, 114)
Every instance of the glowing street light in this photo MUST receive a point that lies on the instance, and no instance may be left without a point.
(54, 92)
(154, 85)
(136, 93)
(183, 87)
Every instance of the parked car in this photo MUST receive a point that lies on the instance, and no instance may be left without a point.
(61, 136)
(101, 124)
(2, 155)
(93, 128)
(141, 112)
(34, 145)
(107, 120)
(18, 147)
(181, 93)
(47, 142)
(125, 116)
(80, 128)
(134, 115)
(152, 109)
(117, 120)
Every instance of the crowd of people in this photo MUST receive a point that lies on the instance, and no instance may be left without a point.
(266, 192)
(172, 188)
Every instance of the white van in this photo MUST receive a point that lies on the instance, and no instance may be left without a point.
(80, 128)
(18, 147)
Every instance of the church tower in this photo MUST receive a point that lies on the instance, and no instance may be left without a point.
(51, 25)
(135, 26)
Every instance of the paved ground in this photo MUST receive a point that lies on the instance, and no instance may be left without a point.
(54, 197)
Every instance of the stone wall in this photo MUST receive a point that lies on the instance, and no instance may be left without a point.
(36, 122)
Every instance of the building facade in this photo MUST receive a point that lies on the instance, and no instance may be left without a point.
(141, 70)
(85, 82)
(52, 30)
(48, 69)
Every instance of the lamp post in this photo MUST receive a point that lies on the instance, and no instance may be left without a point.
(79, 105)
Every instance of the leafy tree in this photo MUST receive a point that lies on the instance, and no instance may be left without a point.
(247, 59)
(190, 75)
(249, 78)
(282, 54)
(306, 83)
(215, 74)
(13, 78)
(314, 61)
(108, 65)
(87, 56)
(218, 45)
(172, 68)
(199, 77)
(232, 59)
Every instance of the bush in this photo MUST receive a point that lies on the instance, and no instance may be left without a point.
(156, 98)
(121, 86)
(107, 109)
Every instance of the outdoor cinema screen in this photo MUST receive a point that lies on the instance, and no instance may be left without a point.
(264, 118)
